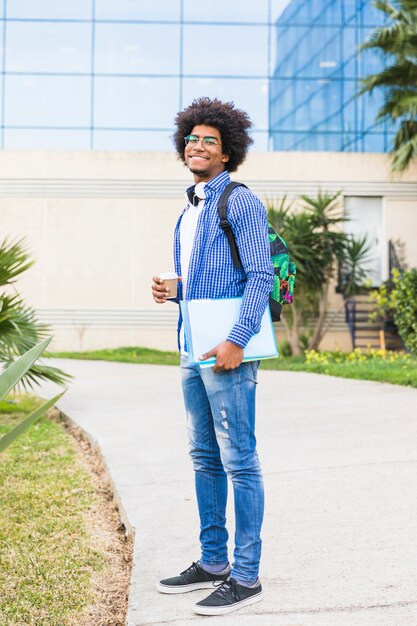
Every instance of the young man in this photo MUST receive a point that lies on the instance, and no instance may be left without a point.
(212, 139)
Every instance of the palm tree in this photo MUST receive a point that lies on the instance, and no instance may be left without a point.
(19, 329)
(318, 247)
(397, 43)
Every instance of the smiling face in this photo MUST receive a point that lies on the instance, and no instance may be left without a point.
(203, 160)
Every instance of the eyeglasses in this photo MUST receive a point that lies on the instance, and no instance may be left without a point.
(193, 140)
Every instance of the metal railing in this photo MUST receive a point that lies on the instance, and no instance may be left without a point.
(394, 262)
(350, 318)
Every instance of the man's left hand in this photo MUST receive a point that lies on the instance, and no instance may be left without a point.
(228, 356)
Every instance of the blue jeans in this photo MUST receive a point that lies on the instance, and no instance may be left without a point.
(221, 427)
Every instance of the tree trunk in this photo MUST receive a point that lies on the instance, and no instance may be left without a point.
(318, 330)
(293, 331)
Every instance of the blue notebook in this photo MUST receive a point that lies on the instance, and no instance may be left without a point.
(208, 322)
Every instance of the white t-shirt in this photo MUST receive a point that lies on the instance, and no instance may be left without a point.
(187, 235)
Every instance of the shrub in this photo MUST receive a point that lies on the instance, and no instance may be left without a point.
(404, 302)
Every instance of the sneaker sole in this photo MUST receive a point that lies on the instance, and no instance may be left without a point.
(186, 588)
(222, 610)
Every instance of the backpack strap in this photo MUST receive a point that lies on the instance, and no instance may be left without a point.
(225, 224)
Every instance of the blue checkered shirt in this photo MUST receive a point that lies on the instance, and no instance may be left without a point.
(211, 273)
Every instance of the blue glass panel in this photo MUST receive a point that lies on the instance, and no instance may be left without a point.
(319, 141)
(291, 14)
(328, 59)
(310, 52)
(289, 50)
(1, 104)
(278, 8)
(52, 9)
(349, 10)
(304, 105)
(1, 42)
(137, 48)
(327, 13)
(283, 96)
(46, 139)
(350, 116)
(308, 12)
(230, 11)
(371, 61)
(205, 50)
(350, 89)
(393, 126)
(47, 101)
(351, 68)
(260, 142)
(389, 142)
(372, 16)
(350, 142)
(371, 105)
(48, 47)
(151, 140)
(135, 102)
(326, 105)
(251, 95)
(138, 9)
(349, 45)
(282, 140)
(374, 142)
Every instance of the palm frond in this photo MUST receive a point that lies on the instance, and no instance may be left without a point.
(325, 209)
(19, 332)
(386, 7)
(405, 149)
(388, 40)
(409, 5)
(401, 74)
(278, 211)
(14, 260)
(399, 103)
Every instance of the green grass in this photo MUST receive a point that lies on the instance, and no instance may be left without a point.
(382, 372)
(124, 355)
(45, 558)
(287, 363)
(395, 368)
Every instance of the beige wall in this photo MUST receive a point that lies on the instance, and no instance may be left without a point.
(99, 225)
(401, 224)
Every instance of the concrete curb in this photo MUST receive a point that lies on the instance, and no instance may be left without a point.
(130, 530)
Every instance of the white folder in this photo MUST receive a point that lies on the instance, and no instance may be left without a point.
(209, 322)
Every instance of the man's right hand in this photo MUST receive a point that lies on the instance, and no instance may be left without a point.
(160, 292)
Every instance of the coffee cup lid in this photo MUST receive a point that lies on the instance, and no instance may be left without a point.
(168, 276)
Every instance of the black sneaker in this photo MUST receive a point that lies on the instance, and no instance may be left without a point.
(228, 597)
(195, 577)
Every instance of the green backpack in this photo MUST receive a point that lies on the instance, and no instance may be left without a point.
(284, 268)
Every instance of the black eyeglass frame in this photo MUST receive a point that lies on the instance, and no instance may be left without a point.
(209, 140)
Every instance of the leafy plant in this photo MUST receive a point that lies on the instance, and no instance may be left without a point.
(318, 247)
(19, 329)
(352, 270)
(404, 304)
(397, 44)
(383, 299)
(9, 378)
(396, 300)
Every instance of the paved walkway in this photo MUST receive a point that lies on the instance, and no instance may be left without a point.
(340, 464)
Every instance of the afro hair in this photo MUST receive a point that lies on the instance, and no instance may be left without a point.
(232, 123)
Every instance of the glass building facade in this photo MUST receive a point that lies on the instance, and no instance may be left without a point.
(313, 103)
(111, 75)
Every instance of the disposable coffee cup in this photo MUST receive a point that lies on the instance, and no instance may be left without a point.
(171, 282)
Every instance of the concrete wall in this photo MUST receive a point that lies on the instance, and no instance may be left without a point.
(99, 225)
